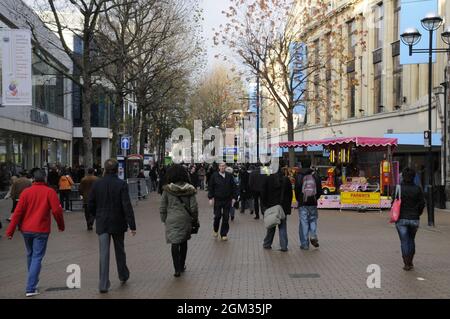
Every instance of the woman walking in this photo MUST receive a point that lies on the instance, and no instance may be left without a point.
(179, 213)
(411, 208)
(65, 187)
(277, 190)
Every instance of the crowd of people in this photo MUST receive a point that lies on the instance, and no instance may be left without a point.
(107, 203)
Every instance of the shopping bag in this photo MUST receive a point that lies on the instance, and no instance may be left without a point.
(395, 209)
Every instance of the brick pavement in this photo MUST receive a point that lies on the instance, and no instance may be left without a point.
(241, 268)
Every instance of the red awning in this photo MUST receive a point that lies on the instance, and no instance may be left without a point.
(358, 141)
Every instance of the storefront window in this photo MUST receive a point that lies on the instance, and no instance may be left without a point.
(48, 87)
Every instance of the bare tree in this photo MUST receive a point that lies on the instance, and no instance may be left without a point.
(215, 97)
(272, 38)
(77, 18)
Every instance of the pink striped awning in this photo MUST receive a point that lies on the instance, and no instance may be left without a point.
(358, 141)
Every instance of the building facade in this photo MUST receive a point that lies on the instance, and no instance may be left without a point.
(374, 94)
(41, 134)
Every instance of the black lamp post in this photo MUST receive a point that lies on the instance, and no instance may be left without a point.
(411, 37)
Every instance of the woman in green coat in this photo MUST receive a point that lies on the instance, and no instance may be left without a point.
(179, 213)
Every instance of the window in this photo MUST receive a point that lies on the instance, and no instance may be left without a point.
(317, 97)
(378, 87)
(397, 8)
(351, 36)
(317, 52)
(379, 26)
(397, 87)
(351, 94)
(48, 87)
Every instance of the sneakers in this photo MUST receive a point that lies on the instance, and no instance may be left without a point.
(232, 218)
(315, 242)
(304, 248)
(32, 294)
(256, 217)
(177, 274)
(215, 234)
(8, 220)
(224, 238)
(267, 247)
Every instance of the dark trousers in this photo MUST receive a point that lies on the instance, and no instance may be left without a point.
(179, 252)
(257, 199)
(89, 218)
(64, 198)
(15, 202)
(222, 211)
(119, 248)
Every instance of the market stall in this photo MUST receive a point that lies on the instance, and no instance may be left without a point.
(361, 173)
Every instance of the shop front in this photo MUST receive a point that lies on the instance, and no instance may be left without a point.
(359, 172)
(19, 151)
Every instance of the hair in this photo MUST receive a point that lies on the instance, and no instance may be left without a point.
(176, 174)
(39, 175)
(111, 166)
(408, 175)
(91, 170)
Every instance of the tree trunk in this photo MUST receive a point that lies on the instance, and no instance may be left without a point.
(118, 108)
(290, 124)
(86, 116)
(143, 135)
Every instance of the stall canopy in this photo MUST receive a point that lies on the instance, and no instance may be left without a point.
(371, 142)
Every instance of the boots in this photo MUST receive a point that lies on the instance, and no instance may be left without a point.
(407, 262)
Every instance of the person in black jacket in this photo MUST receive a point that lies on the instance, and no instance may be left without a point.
(255, 182)
(308, 189)
(109, 202)
(411, 209)
(277, 190)
(222, 192)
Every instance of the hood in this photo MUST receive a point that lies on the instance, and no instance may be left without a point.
(306, 171)
(180, 189)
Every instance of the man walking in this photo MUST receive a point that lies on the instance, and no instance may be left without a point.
(222, 193)
(109, 202)
(84, 189)
(308, 189)
(32, 215)
(17, 188)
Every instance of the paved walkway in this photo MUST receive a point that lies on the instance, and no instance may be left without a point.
(241, 268)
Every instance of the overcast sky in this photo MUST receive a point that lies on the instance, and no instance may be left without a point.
(213, 19)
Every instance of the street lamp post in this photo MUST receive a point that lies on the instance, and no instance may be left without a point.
(411, 37)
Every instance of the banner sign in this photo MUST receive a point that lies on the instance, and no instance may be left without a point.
(360, 198)
(16, 67)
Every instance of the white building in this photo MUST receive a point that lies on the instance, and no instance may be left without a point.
(41, 134)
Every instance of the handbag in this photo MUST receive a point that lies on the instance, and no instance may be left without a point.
(195, 223)
(395, 209)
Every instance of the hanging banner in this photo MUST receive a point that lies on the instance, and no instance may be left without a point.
(16, 67)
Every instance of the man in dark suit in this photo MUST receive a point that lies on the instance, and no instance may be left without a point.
(222, 193)
(109, 202)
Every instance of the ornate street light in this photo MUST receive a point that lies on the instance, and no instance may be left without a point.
(431, 22)
(411, 37)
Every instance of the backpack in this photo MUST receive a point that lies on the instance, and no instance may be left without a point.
(309, 187)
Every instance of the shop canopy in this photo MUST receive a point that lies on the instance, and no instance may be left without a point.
(366, 142)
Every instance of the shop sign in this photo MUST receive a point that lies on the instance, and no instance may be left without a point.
(39, 117)
(360, 198)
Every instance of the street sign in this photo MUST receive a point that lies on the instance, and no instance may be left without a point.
(427, 138)
(125, 142)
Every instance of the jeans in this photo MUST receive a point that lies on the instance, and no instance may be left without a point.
(222, 211)
(36, 244)
(308, 224)
(282, 229)
(179, 252)
(407, 229)
(119, 248)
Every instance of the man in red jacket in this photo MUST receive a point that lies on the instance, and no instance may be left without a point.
(33, 216)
